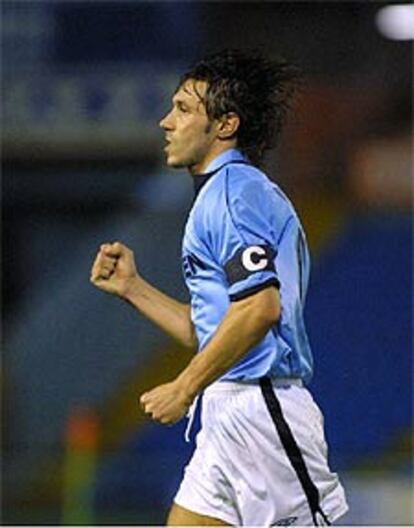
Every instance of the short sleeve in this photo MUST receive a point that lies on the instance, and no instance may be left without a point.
(244, 238)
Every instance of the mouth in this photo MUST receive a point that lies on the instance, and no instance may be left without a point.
(167, 143)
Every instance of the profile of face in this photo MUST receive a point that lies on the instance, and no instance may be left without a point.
(190, 135)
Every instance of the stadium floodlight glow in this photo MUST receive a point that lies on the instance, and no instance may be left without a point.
(396, 22)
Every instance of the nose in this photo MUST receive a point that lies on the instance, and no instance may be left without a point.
(166, 122)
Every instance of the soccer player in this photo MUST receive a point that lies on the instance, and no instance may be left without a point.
(261, 456)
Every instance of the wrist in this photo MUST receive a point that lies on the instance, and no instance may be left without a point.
(133, 288)
(190, 382)
(187, 394)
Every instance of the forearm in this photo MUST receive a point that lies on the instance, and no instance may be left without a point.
(170, 315)
(242, 328)
(244, 325)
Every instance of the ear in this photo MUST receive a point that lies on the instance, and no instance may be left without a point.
(228, 126)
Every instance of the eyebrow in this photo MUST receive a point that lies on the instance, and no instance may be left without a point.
(192, 104)
(178, 101)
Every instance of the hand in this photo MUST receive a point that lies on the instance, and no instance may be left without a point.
(167, 403)
(114, 269)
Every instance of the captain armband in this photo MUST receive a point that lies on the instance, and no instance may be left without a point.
(248, 261)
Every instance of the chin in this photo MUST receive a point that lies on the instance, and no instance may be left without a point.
(175, 163)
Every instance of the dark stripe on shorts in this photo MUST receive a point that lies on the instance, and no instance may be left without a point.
(292, 450)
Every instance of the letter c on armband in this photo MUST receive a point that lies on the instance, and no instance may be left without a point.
(247, 261)
(254, 258)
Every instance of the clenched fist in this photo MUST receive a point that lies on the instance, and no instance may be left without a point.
(167, 403)
(114, 269)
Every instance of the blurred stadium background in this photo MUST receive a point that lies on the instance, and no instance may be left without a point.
(83, 87)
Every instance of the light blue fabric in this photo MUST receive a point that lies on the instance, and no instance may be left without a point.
(238, 219)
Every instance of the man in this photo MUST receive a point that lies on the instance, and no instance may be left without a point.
(261, 457)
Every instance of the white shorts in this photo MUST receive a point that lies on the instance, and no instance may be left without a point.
(246, 469)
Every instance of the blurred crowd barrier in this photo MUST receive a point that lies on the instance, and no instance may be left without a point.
(84, 113)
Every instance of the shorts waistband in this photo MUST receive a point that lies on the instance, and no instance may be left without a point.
(236, 386)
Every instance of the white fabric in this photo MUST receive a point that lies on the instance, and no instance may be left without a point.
(240, 472)
(190, 417)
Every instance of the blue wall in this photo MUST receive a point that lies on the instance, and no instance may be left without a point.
(359, 315)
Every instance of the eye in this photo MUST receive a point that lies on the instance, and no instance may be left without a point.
(182, 107)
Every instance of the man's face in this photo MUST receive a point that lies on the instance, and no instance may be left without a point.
(189, 133)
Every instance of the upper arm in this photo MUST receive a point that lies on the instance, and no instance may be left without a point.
(244, 236)
(263, 305)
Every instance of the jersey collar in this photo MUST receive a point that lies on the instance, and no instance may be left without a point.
(226, 157)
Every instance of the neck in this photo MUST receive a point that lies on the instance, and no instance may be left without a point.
(216, 150)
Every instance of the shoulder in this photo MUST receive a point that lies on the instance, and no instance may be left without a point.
(241, 193)
(249, 188)
(246, 181)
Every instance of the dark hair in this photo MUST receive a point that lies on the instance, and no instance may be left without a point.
(257, 89)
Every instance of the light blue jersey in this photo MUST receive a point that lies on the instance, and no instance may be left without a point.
(243, 235)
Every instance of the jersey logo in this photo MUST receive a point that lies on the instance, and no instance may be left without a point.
(288, 521)
(247, 261)
(190, 265)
